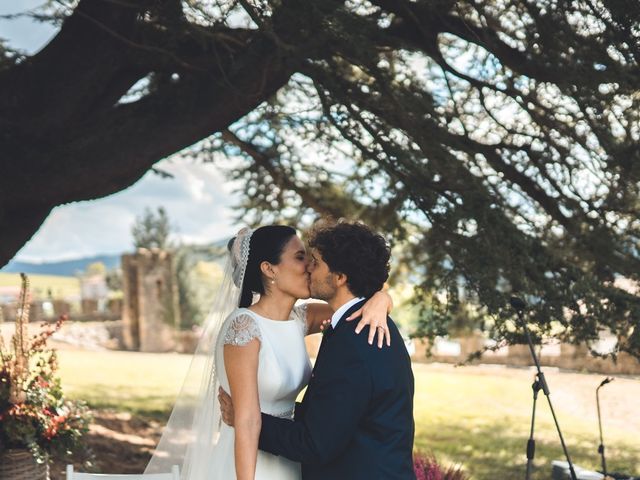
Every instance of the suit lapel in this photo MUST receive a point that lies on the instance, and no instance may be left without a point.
(326, 339)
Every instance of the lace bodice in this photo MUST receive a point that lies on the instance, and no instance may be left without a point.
(241, 330)
(243, 326)
(283, 363)
(283, 371)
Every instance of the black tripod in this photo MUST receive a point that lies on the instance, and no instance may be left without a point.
(539, 384)
(601, 446)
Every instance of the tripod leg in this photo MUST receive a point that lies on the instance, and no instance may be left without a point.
(531, 443)
(564, 446)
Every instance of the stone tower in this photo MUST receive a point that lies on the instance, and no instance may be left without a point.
(151, 313)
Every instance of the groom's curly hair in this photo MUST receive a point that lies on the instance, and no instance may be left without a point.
(354, 249)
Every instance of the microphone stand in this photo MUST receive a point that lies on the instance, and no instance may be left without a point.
(539, 384)
(531, 443)
(601, 446)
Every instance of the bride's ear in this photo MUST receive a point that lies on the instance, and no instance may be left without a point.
(267, 270)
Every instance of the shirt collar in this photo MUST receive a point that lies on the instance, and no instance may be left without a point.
(337, 315)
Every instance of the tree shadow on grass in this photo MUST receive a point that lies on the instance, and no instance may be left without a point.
(496, 450)
(120, 442)
(126, 428)
(487, 447)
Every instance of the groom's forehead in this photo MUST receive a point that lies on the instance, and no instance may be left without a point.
(315, 253)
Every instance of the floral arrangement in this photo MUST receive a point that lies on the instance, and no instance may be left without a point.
(427, 468)
(34, 414)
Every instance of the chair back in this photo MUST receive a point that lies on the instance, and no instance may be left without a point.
(173, 475)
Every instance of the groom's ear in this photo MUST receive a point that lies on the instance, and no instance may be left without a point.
(341, 279)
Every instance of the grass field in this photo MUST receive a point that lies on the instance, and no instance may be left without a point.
(61, 287)
(478, 417)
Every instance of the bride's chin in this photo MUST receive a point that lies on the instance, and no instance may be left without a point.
(305, 294)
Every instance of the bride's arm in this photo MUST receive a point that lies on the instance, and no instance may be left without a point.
(241, 364)
(374, 313)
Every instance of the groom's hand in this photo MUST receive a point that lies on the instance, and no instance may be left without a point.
(226, 407)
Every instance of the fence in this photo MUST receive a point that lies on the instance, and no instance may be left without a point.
(50, 310)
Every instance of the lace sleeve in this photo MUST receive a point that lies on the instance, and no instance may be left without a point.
(299, 313)
(241, 330)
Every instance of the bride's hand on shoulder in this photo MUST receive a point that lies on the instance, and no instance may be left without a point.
(226, 407)
(374, 313)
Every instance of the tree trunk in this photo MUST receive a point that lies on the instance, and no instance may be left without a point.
(63, 134)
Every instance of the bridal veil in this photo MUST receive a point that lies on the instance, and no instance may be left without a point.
(193, 429)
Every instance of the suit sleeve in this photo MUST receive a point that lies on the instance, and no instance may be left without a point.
(330, 419)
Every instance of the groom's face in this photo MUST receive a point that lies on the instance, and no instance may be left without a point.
(322, 282)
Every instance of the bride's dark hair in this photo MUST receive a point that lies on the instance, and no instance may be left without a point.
(266, 245)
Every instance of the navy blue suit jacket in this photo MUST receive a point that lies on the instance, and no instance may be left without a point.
(356, 418)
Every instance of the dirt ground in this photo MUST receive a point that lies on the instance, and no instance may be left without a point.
(123, 443)
(120, 442)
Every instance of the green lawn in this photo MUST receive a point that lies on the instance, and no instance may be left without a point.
(483, 421)
(142, 383)
(478, 418)
(61, 287)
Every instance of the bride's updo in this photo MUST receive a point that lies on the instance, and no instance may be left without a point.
(266, 245)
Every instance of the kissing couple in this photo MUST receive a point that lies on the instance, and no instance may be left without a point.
(355, 420)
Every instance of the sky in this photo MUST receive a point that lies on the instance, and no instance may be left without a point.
(198, 200)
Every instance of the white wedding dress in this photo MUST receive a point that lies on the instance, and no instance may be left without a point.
(283, 371)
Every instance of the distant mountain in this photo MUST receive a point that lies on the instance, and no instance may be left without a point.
(66, 268)
(213, 252)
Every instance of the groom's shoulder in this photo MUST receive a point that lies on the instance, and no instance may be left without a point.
(362, 339)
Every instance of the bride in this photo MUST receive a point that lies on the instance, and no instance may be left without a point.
(255, 351)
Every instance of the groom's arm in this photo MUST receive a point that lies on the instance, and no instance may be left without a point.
(331, 416)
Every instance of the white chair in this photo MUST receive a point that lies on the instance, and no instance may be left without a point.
(174, 475)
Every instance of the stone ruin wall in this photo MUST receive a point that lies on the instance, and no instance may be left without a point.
(151, 312)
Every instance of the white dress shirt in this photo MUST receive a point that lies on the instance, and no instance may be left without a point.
(335, 318)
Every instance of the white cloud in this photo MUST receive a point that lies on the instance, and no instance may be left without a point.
(198, 201)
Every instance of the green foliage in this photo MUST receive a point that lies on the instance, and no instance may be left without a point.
(496, 142)
(152, 230)
(96, 268)
(114, 279)
(46, 423)
(190, 313)
(198, 276)
(196, 270)
(34, 413)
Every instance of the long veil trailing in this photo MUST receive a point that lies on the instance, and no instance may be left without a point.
(193, 429)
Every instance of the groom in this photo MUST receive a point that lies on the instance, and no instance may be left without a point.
(356, 418)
